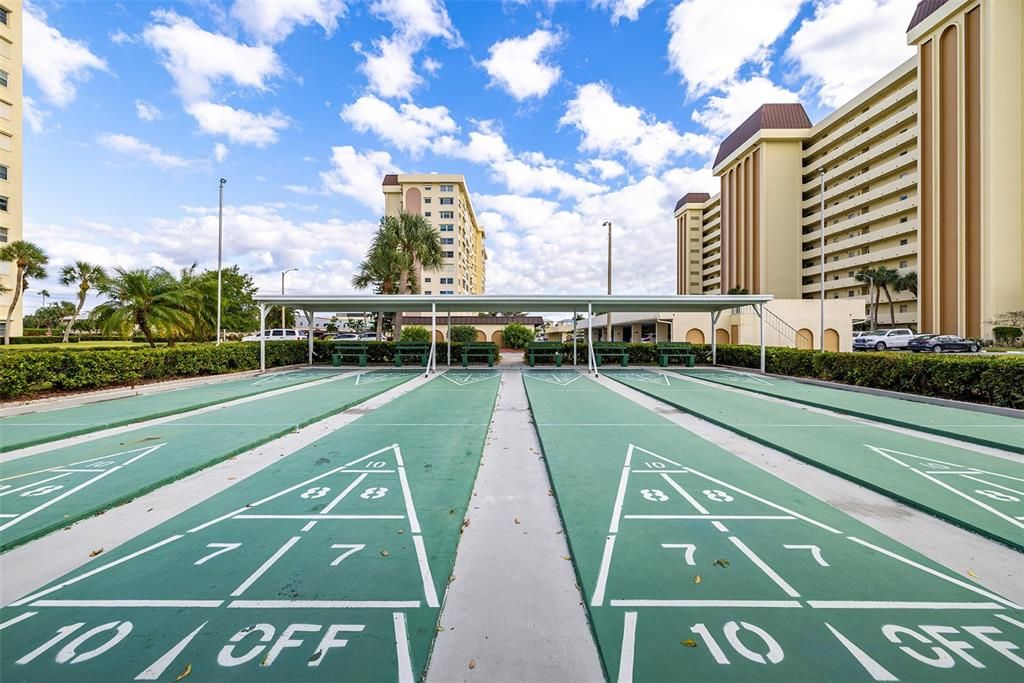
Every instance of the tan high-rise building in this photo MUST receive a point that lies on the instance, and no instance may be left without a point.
(923, 173)
(10, 149)
(443, 199)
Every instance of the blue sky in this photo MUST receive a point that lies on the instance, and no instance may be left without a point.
(561, 115)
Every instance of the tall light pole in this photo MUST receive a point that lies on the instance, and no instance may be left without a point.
(821, 329)
(283, 273)
(608, 224)
(220, 250)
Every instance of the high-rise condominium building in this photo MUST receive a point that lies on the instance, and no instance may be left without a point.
(10, 150)
(923, 173)
(443, 199)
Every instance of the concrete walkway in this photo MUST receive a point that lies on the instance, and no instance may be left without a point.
(513, 609)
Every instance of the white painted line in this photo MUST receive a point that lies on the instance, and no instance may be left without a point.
(721, 527)
(1009, 619)
(952, 472)
(56, 499)
(882, 604)
(620, 498)
(86, 575)
(319, 517)
(127, 603)
(983, 506)
(681, 491)
(7, 515)
(602, 574)
(37, 483)
(989, 483)
(428, 580)
(323, 604)
(265, 566)
(410, 509)
(874, 669)
(662, 471)
(628, 648)
(402, 649)
(709, 517)
(766, 502)
(706, 603)
(72, 464)
(763, 566)
(92, 471)
(15, 620)
(309, 526)
(341, 496)
(370, 471)
(929, 570)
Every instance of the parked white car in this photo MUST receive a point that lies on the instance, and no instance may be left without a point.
(277, 334)
(880, 340)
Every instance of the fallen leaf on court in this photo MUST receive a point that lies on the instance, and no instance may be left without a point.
(558, 533)
(516, 520)
(96, 552)
(316, 655)
(385, 553)
(401, 531)
(185, 672)
(451, 578)
(696, 579)
(263, 662)
(722, 563)
(566, 558)
(472, 664)
(551, 492)
(452, 511)
(689, 643)
(439, 628)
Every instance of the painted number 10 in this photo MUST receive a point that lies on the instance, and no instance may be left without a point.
(731, 631)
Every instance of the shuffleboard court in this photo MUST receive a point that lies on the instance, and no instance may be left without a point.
(50, 424)
(328, 565)
(987, 429)
(980, 492)
(44, 492)
(696, 564)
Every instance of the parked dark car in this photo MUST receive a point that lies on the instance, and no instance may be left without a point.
(941, 342)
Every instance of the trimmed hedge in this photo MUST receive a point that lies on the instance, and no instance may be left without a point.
(997, 381)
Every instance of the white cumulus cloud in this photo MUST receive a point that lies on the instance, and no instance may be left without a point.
(238, 125)
(409, 128)
(622, 9)
(56, 63)
(220, 152)
(520, 66)
(273, 21)
(137, 150)
(722, 113)
(147, 112)
(358, 175)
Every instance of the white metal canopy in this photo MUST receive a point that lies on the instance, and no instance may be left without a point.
(591, 303)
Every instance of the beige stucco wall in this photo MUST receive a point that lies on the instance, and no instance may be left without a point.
(11, 152)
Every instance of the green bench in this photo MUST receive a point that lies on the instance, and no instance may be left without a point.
(681, 350)
(611, 350)
(342, 350)
(480, 350)
(419, 350)
(544, 349)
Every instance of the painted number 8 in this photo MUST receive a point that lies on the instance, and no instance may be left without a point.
(374, 492)
(316, 492)
(43, 490)
(717, 496)
(998, 495)
(654, 495)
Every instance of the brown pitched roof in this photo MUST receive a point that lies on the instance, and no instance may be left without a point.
(390, 179)
(791, 115)
(923, 10)
(692, 198)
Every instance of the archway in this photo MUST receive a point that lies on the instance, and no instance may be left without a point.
(438, 335)
(498, 338)
(804, 339)
(413, 201)
(695, 336)
(721, 336)
(831, 340)
(481, 336)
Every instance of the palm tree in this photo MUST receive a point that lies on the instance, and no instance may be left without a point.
(150, 299)
(45, 293)
(29, 261)
(869, 275)
(419, 243)
(907, 282)
(86, 275)
(884, 279)
(381, 269)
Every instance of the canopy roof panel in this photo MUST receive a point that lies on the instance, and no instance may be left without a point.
(602, 303)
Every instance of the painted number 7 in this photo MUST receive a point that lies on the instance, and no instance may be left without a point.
(690, 548)
(222, 548)
(350, 549)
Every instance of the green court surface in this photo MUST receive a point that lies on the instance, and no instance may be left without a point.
(987, 429)
(974, 490)
(697, 565)
(328, 565)
(50, 424)
(44, 492)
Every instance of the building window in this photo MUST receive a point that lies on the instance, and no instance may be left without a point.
(447, 200)
(3, 235)
(426, 279)
(4, 78)
(447, 188)
(427, 188)
(903, 220)
(448, 214)
(849, 293)
(903, 243)
(903, 308)
(447, 292)
(4, 16)
(903, 197)
(447, 227)
(447, 240)
(3, 172)
(426, 200)
(428, 292)
(903, 264)
(427, 214)
(3, 203)
(447, 281)
(448, 254)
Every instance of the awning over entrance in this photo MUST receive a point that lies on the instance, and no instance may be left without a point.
(533, 303)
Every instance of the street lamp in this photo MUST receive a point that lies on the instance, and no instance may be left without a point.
(821, 328)
(283, 273)
(608, 224)
(220, 250)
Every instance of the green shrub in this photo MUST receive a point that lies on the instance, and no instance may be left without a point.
(463, 334)
(415, 333)
(516, 336)
(1007, 335)
(32, 339)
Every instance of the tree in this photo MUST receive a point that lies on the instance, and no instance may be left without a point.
(419, 247)
(273, 317)
(29, 261)
(45, 293)
(906, 282)
(415, 333)
(150, 299)
(463, 334)
(49, 316)
(86, 275)
(738, 291)
(884, 279)
(381, 269)
(516, 336)
(868, 275)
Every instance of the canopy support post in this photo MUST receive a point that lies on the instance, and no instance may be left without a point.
(714, 336)
(310, 316)
(591, 361)
(448, 339)
(263, 337)
(432, 358)
(760, 315)
(574, 337)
